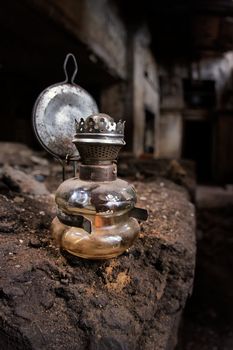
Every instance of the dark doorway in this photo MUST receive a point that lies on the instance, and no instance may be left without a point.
(199, 93)
(197, 146)
(149, 133)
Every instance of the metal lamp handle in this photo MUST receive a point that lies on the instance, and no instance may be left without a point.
(68, 80)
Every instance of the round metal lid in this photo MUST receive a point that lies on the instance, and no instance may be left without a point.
(55, 112)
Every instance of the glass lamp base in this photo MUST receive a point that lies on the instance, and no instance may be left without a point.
(102, 243)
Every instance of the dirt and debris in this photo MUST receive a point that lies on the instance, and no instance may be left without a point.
(181, 172)
(208, 319)
(50, 299)
(18, 181)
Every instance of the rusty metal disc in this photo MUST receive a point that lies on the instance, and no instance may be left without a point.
(55, 112)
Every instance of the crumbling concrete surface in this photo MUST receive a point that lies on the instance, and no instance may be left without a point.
(52, 300)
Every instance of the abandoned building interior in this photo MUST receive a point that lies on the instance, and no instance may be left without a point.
(166, 68)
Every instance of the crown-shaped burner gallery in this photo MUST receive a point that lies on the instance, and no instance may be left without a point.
(100, 124)
(99, 138)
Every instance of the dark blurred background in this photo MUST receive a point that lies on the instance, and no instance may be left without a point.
(165, 67)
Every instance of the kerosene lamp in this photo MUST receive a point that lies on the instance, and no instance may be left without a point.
(96, 213)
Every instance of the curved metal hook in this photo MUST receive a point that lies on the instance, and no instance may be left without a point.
(65, 162)
(67, 80)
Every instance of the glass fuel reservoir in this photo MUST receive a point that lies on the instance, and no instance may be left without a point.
(96, 217)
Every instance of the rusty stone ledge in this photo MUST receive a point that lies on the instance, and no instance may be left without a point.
(52, 300)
